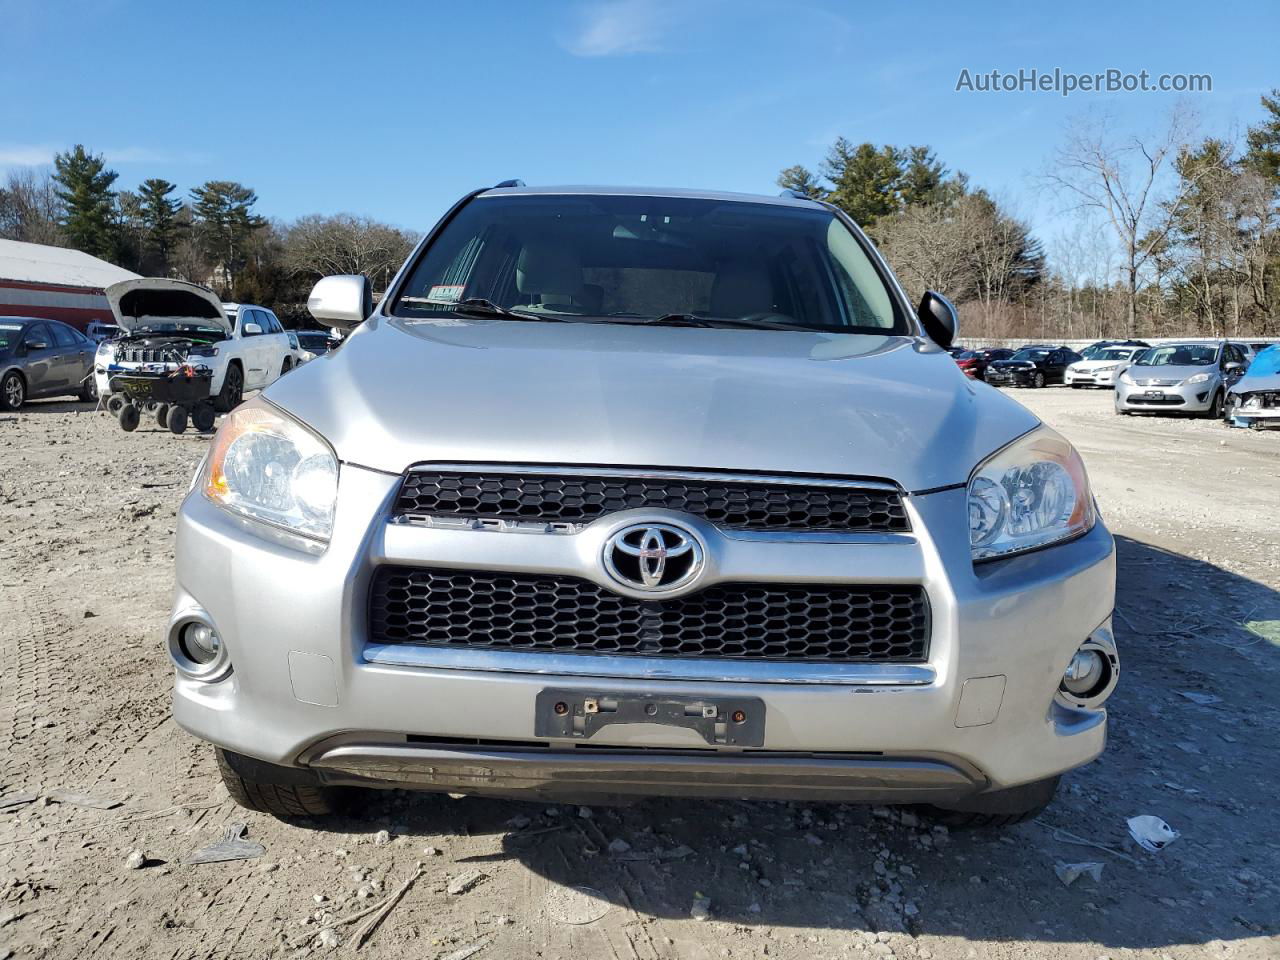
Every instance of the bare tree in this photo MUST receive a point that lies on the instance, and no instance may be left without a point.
(318, 246)
(1121, 177)
(29, 206)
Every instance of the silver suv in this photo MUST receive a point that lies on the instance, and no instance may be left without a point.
(628, 492)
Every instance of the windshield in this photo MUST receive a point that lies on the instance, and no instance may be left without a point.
(1114, 353)
(314, 341)
(632, 259)
(1179, 355)
(1036, 354)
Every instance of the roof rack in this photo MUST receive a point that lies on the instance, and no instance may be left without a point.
(508, 183)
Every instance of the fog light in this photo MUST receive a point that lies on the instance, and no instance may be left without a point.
(200, 643)
(196, 649)
(1083, 672)
(1092, 673)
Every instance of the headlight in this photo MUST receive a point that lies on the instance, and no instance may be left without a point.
(265, 465)
(1125, 378)
(105, 349)
(1032, 493)
(205, 350)
(1106, 369)
(1197, 378)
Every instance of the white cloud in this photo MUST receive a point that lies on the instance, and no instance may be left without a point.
(620, 27)
(20, 155)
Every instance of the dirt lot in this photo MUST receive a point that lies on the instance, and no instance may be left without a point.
(86, 517)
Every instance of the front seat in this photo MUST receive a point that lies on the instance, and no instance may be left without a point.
(552, 275)
(741, 289)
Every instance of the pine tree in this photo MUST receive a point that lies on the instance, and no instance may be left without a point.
(864, 180)
(225, 220)
(924, 178)
(160, 217)
(85, 190)
(1263, 156)
(802, 181)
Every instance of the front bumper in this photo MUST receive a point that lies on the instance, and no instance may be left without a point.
(1089, 379)
(1178, 398)
(103, 371)
(1018, 377)
(305, 691)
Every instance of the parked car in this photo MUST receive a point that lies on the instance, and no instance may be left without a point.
(98, 331)
(168, 323)
(1254, 399)
(43, 358)
(974, 363)
(1102, 369)
(591, 483)
(1032, 367)
(1091, 352)
(1188, 377)
(297, 356)
(315, 343)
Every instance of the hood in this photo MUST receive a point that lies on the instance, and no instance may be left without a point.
(400, 392)
(137, 303)
(1178, 373)
(1095, 364)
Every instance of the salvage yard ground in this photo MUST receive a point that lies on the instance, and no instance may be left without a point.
(86, 521)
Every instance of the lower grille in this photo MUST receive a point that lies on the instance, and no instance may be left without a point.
(502, 611)
(1168, 400)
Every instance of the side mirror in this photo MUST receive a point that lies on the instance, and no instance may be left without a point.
(939, 318)
(343, 302)
(37, 344)
(1233, 367)
(252, 329)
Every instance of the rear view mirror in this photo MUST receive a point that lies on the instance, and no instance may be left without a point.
(342, 301)
(252, 329)
(939, 318)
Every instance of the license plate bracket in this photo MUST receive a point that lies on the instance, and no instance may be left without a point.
(720, 721)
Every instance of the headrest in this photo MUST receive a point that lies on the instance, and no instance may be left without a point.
(549, 269)
(741, 289)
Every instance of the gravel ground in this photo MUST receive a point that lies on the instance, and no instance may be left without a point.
(86, 517)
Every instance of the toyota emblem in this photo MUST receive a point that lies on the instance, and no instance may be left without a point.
(654, 557)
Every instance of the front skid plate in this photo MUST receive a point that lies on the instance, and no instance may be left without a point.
(721, 721)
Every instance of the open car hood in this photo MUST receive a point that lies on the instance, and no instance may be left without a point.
(147, 300)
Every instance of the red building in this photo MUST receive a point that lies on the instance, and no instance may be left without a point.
(54, 282)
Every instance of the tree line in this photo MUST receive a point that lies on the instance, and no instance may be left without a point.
(1170, 233)
(212, 236)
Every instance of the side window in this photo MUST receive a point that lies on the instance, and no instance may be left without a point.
(276, 326)
(62, 336)
(263, 319)
(37, 333)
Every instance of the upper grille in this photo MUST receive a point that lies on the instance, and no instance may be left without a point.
(149, 355)
(858, 622)
(733, 504)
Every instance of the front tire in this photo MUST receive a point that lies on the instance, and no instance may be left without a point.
(114, 403)
(176, 420)
(232, 391)
(1038, 380)
(997, 808)
(1215, 410)
(280, 791)
(130, 416)
(13, 391)
(89, 389)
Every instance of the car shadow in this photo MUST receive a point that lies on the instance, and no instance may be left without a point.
(1204, 763)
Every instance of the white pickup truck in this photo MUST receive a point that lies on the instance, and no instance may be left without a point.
(167, 323)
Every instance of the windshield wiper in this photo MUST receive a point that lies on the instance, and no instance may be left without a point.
(744, 323)
(480, 307)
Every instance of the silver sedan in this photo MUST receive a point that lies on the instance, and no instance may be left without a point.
(1191, 377)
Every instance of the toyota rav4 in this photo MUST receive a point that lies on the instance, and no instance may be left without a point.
(627, 492)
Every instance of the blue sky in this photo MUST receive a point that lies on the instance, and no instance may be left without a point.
(395, 109)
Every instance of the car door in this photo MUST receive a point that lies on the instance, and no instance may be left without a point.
(1232, 354)
(75, 358)
(278, 346)
(40, 360)
(252, 347)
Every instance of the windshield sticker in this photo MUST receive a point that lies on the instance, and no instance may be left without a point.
(446, 293)
(10, 326)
